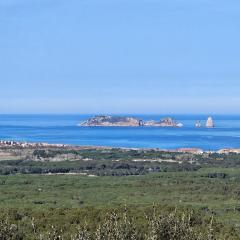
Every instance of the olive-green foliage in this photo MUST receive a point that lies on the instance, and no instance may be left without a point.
(86, 207)
(113, 162)
(109, 162)
(122, 224)
(9, 231)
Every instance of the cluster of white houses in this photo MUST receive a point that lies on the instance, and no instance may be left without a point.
(5, 143)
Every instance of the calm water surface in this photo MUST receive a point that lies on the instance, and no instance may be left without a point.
(64, 129)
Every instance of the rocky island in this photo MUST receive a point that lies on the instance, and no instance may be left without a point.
(118, 121)
(165, 122)
(111, 121)
(210, 123)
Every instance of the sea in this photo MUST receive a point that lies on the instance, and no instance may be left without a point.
(64, 129)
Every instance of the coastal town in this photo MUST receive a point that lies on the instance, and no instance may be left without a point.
(5, 144)
(19, 144)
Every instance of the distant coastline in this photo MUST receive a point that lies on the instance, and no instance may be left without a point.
(18, 144)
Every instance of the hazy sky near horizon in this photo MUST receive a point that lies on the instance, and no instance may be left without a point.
(119, 56)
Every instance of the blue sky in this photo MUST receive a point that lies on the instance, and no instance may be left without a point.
(119, 56)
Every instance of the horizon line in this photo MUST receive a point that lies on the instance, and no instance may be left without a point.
(126, 113)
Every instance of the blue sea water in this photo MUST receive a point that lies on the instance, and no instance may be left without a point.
(63, 129)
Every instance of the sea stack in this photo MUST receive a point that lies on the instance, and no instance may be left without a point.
(198, 124)
(209, 123)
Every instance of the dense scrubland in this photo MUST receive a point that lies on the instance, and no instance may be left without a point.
(118, 194)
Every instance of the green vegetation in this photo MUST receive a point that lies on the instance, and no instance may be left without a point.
(115, 224)
(108, 162)
(87, 191)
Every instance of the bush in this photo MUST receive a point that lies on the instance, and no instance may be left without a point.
(121, 226)
(125, 225)
(9, 231)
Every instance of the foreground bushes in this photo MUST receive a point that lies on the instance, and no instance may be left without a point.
(123, 225)
(9, 231)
